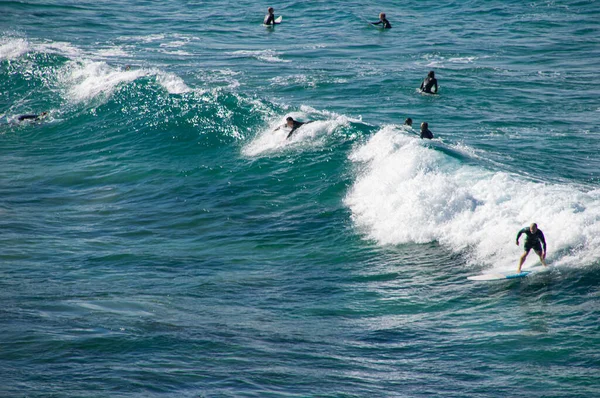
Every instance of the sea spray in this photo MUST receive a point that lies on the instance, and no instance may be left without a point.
(407, 192)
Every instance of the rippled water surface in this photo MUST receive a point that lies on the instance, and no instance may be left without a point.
(161, 238)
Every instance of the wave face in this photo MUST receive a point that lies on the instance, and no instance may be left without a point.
(162, 236)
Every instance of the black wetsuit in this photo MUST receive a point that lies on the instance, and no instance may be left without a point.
(428, 83)
(296, 126)
(427, 134)
(269, 19)
(533, 241)
(385, 22)
(28, 117)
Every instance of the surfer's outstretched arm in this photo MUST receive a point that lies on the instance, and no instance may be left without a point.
(296, 126)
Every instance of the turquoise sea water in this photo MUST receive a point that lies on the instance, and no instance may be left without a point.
(159, 239)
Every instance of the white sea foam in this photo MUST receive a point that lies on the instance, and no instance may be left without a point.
(117, 51)
(221, 77)
(462, 60)
(88, 79)
(407, 192)
(172, 83)
(175, 44)
(180, 53)
(294, 80)
(145, 39)
(438, 61)
(313, 134)
(262, 55)
(59, 47)
(12, 48)
(84, 80)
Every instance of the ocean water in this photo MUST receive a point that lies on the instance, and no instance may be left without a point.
(158, 238)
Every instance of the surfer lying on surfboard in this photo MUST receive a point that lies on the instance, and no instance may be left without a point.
(32, 117)
(534, 239)
(293, 124)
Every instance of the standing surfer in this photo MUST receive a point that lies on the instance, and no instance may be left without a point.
(534, 239)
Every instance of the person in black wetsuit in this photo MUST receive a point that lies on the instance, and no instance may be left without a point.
(383, 20)
(293, 124)
(534, 239)
(425, 132)
(429, 83)
(408, 122)
(32, 117)
(270, 17)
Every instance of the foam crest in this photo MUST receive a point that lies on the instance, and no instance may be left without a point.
(407, 192)
(58, 47)
(11, 48)
(85, 80)
(116, 51)
(172, 83)
(88, 79)
(314, 134)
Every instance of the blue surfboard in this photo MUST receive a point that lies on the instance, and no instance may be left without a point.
(497, 276)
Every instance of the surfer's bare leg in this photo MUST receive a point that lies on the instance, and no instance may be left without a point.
(542, 256)
(522, 260)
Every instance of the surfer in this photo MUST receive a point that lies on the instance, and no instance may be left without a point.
(425, 132)
(32, 117)
(534, 239)
(408, 122)
(428, 83)
(270, 17)
(382, 20)
(292, 124)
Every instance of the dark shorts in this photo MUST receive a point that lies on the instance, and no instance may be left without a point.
(537, 247)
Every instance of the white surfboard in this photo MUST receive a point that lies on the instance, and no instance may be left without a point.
(277, 21)
(497, 276)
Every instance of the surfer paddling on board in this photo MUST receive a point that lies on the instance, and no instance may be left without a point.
(382, 20)
(292, 124)
(534, 239)
(270, 17)
(32, 117)
(428, 83)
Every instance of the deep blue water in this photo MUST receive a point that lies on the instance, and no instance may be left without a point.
(160, 239)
